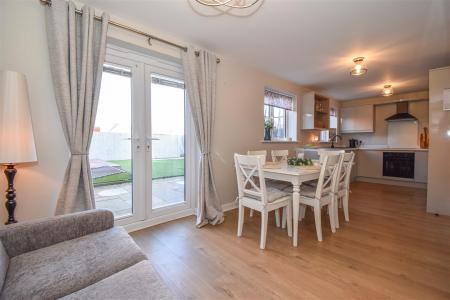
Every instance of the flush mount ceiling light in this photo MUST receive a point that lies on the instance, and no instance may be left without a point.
(387, 90)
(358, 69)
(229, 3)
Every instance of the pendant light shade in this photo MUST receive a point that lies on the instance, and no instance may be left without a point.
(359, 68)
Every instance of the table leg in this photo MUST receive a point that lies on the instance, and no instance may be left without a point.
(295, 208)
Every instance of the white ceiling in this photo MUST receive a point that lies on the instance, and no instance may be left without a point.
(312, 42)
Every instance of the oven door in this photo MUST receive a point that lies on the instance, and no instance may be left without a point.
(398, 164)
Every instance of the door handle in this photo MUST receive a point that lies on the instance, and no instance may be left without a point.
(135, 140)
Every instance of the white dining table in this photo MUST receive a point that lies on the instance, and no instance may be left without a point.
(296, 176)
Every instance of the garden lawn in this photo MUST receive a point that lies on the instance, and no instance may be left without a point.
(161, 168)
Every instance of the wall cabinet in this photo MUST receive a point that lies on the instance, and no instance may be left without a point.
(357, 119)
(316, 111)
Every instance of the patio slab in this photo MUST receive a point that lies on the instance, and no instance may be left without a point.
(118, 197)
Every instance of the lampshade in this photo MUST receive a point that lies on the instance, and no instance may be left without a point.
(16, 130)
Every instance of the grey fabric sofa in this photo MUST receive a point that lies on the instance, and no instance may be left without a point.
(76, 256)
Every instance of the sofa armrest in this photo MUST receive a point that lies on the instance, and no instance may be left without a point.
(31, 235)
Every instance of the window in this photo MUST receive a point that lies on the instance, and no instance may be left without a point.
(279, 107)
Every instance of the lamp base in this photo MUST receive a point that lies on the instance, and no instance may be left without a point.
(10, 203)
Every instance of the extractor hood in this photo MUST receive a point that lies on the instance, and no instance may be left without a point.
(402, 113)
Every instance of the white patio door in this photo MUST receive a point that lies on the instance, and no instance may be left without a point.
(142, 149)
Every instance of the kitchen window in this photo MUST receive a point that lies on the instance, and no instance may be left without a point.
(280, 107)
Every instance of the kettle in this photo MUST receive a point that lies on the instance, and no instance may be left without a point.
(354, 143)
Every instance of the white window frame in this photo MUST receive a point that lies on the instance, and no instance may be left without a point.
(290, 116)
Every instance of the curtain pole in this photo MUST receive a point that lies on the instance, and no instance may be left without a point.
(131, 29)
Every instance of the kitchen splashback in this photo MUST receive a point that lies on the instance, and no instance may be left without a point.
(403, 134)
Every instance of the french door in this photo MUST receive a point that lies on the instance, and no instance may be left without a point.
(142, 149)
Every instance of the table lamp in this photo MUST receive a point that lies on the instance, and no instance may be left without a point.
(16, 131)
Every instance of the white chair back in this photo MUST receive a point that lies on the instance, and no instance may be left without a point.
(248, 169)
(322, 153)
(279, 155)
(258, 152)
(331, 164)
(345, 174)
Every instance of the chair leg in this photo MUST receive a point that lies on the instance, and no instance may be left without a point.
(318, 221)
(332, 213)
(277, 217)
(283, 218)
(240, 219)
(264, 218)
(288, 218)
(251, 213)
(345, 204)
(302, 212)
(336, 212)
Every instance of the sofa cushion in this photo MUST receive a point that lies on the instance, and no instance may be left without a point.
(66, 267)
(4, 262)
(140, 281)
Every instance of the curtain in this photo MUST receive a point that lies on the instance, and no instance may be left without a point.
(77, 46)
(200, 71)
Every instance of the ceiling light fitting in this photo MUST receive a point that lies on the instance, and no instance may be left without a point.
(229, 3)
(387, 90)
(358, 69)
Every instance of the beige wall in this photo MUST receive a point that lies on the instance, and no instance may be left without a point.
(239, 119)
(24, 49)
(438, 200)
(418, 107)
(238, 122)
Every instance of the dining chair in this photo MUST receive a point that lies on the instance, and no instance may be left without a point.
(273, 183)
(257, 152)
(343, 186)
(324, 193)
(279, 155)
(255, 195)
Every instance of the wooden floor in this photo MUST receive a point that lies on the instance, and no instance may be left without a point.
(390, 249)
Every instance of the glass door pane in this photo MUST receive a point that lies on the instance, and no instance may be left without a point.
(111, 148)
(168, 141)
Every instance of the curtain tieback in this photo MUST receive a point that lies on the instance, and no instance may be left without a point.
(206, 153)
(79, 153)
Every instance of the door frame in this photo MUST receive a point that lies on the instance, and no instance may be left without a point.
(144, 63)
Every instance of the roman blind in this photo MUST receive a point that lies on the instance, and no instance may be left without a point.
(276, 99)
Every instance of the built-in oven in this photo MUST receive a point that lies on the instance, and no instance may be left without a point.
(398, 164)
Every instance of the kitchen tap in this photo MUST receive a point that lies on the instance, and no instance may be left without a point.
(333, 139)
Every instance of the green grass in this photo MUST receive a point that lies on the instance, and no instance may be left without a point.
(161, 168)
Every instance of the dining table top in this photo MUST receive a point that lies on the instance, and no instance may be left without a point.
(291, 170)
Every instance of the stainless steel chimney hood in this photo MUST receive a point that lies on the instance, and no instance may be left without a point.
(402, 113)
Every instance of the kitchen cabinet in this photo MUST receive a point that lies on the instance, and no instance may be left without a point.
(421, 167)
(356, 119)
(316, 111)
(370, 164)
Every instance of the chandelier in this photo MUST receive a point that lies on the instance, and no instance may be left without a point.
(229, 3)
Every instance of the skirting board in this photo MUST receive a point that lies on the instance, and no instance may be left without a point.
(419, 185)
(229, 206)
